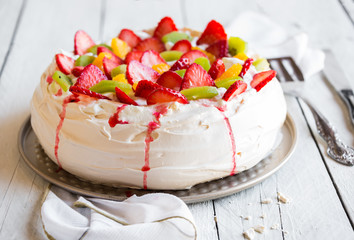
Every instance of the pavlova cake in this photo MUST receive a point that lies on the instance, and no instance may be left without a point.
(161, 109)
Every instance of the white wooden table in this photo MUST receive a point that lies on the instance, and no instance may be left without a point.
(322, 190)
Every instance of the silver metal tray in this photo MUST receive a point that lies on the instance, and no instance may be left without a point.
(33, 154)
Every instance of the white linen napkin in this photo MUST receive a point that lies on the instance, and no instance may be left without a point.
(269, 39)
(152, 216)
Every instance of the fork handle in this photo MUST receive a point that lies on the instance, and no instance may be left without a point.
(336, 149)
(348, 97)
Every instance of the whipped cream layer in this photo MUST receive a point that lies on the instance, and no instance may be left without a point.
(193, 143)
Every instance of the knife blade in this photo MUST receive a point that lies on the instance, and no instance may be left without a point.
(337, 79)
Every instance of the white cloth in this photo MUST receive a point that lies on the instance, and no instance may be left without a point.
(152, 216)
(269, 39)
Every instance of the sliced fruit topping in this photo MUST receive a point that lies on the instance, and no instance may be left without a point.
(235, 89)
(151, 58)
(82, 42)
(171, 80)
(99, 60)
(84, 60)
(261, 79)
(120, 48)
(242, 56)
(77, 71)
(93, 49)
(102, 49)
(64, 63)
(109, 65)
(165, 95)
(182, 63)
(166, 25)
(90, 76)
(218, 49)
(193, 55)
(233, 71)
(120, 78)
(124, 98)
(150, 44)
(161, 68)
(210, 56)
(109, 86)
(137, 71)
(83, 91)
(200, 92)
(204, 62)
(217, 69)
(181, 72)
(246, 65)
(182, 46)
(129, 37)
(174, 37)
(121, 69)
(196, 76)
(145, 88)
(213, 32)
(237, 45)
(227, 82)
(261, 64)
(63, 80)
(171, 55)
(133, 55)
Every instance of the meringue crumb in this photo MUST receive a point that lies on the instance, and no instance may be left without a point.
(246, 217)
(282, 198)
(285, 232)
(259, 229)
(215, 218)
(249, 234)
(263, 215)
(267, 201)
(275, 226)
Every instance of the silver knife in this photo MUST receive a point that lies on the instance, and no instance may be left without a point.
(335, 76)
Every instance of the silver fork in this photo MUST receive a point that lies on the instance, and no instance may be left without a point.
(291, 78)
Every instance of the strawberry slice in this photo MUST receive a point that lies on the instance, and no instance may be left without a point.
(213, 32)
(76, 90)
(170, 80)
(182, 63)
(182, 45)
(64, 63)
(235, 89)
(246, 65)
(109, 65)
(193, 55)
(133, 55)
(165, 95)
(82, 42)
(166, 25)
(219, 49)
(145, 88)
(151, 58)
(129, 37)
(90, 76)
(217, 69)
(150, 44)
(115, 58)
(261, 79)
(124, 98)
(196, 76)
(137, 71)
(76, 71)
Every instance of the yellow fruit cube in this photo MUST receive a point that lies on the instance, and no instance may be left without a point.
(242, 56)
(161, 68)
(120, 78)
(134, 85)
(120, 48)
(98, 60)
(233, 71)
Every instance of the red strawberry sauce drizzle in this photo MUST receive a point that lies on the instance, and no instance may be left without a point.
(114, 119)
(68, 99)
(246, 65)
(59, 93)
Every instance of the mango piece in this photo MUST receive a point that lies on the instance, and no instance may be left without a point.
(120, 78)
(120, 48)
(161, 68)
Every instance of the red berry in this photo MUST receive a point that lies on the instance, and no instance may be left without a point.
(134, 55)
(246, 65)
(150, 44)
(182, 45)
(115, 58)
(76, 71)
(82, 42)
(64, 63)
(166, 25)
(261, 79)
(170, 80)
(196, 76)
(219, 49)
(129, 37)
(90, 76)
(193, 55)
(145, 88)
(151, 58)
(166, 95)
(235, 89)
(216, 69)
(182, 63)
(76, 90)
(109, 65)
(124, 98)
(213, 32)
(137, 71)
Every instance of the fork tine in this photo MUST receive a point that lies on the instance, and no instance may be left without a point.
(297, 71)
(284, 76)
(287, 76)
